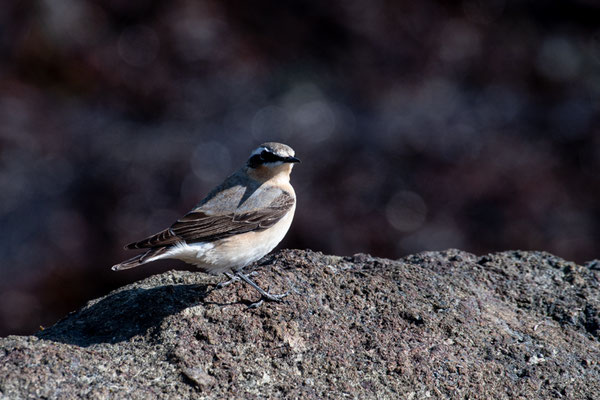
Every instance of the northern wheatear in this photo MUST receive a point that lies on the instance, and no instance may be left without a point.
(238, 223)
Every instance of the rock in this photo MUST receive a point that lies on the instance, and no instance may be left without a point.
(438, 324)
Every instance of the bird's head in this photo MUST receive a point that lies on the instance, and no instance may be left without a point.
(271, 159)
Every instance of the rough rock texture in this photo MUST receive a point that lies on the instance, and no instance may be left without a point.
(513, 325)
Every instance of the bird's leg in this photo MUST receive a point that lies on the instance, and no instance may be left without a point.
(232, 279)
(265, 295)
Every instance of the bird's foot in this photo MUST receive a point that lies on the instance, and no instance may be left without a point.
(264, 295)
(276, 297)
(269, 297)
(233, 279)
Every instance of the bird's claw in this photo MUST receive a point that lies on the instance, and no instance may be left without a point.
(269, 297)
(221, 285)
(233, 279)
(275, 297)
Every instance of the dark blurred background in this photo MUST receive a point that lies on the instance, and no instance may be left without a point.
(421, 126)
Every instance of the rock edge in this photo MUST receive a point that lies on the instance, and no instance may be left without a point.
(438, 324)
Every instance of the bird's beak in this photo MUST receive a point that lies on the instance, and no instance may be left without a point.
(292, 160)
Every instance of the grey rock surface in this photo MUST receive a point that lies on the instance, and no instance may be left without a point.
(512, 325)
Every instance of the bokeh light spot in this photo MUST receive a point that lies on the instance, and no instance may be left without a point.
(406, 211)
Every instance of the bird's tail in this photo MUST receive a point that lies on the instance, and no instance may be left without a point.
(139, 259)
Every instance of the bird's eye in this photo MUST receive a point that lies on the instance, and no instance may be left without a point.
(264, 153)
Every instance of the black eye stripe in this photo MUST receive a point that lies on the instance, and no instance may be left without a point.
(270, 157)
(263, 158)
(255, 161)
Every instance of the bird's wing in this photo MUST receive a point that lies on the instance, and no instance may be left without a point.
(202, 225)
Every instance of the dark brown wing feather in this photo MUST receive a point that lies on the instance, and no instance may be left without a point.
(197, 226)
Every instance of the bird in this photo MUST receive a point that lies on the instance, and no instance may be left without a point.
(236, 224)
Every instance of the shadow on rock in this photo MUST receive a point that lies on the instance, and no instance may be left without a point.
(122, 315)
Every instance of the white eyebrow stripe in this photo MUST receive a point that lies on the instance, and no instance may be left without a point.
(258, 151)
